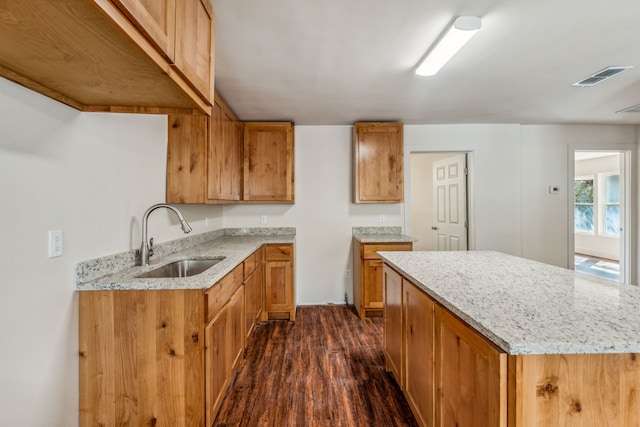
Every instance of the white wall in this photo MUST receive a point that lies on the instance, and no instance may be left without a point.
(547, 159)
(323, 213)
(92, 176)
(494, 178)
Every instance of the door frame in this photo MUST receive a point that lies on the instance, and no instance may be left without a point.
(471, 235)
(628, 221)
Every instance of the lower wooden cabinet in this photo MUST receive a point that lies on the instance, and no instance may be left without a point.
(216, 363)
(450, 374)
(471, 376)
(419, 332)
(279, 282)
(368, 295)
(141, 358)
(393, 331)
(254, 297)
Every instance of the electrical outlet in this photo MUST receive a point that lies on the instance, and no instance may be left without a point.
(347, 273)
(263, 219)
(55, 243)
(381, 217)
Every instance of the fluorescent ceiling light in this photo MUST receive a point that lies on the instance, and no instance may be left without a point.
(463, 28)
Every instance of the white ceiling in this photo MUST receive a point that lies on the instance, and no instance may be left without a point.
(320, 62)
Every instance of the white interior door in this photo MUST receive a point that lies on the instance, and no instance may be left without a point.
(450, 203)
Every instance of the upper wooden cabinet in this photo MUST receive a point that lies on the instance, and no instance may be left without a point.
(378, 162)
(120, 55)
(211, 159)
(204, 157)
(268, 162)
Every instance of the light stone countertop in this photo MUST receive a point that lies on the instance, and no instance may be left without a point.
(527, 307)
(381, 235)
(233, 247)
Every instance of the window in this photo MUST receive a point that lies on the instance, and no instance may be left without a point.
(597, 204)
(612, 205)
(584, 209)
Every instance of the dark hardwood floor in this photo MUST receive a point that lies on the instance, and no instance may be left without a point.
(326, 369)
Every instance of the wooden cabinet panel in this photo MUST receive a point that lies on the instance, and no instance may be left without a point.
(419, 347)
(216, 363)
(268, 162)
(393, 325)
(279, 282)
(194, 50)
(368, 250)
(156, 19)
(378, 162)
(571, 390)
(471, 376)
(224, 155)
(141, 358)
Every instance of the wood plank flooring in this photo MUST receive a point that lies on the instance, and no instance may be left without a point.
(326, 369)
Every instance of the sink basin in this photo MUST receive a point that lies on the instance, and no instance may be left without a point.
(182, 268)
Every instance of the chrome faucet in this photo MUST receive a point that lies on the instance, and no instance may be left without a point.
(146, 250)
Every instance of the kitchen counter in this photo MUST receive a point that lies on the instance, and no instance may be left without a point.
(118, 273)
(526, 307)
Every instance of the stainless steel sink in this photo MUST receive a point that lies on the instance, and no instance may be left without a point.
(182, 268)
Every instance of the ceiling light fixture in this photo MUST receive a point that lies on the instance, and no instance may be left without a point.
(463, 28)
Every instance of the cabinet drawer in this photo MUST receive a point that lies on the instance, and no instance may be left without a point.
(279, 252)
(218, 295)
(368, 251)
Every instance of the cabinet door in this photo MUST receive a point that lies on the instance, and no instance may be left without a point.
(373, 287)
(224, 167)
(194, 50)
(268, 162)
(156, 20)
(216, 363)
(188, 137)
(236, 329)
(378, 157)
(279, 289)
(419, 350)
(393, 324)
(253, 299)
(471, 376)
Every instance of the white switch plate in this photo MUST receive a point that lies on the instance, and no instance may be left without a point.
(263, 219)
(55, 243)
(347, 273)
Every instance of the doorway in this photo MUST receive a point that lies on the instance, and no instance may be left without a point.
(439, 208)
(600, 214)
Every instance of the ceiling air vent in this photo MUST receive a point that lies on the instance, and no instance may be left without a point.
(632, 109)
(601, 76)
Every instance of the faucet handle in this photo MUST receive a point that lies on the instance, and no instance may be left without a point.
(151, 246)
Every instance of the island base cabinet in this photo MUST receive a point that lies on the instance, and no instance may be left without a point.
(419, 340)
(571, 390)
(392, 329)
(471, 376)
(141, 358)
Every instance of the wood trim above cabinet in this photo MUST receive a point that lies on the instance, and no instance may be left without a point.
(90, 56)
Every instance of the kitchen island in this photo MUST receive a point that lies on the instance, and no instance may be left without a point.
(487, 339)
